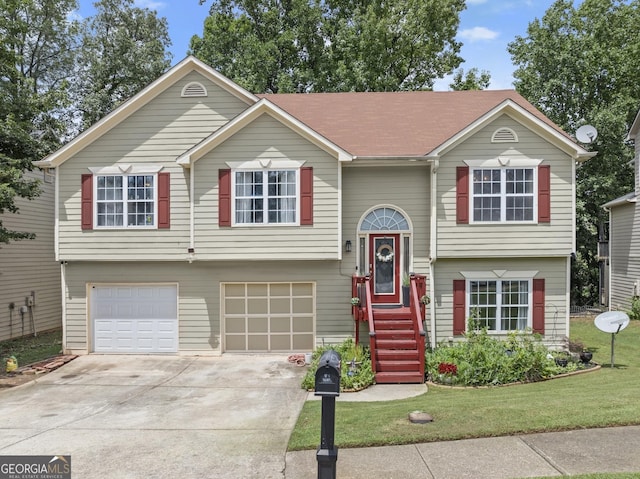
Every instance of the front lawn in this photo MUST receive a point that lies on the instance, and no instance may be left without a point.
(607, 397)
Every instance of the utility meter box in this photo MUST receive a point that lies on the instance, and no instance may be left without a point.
(328, 375)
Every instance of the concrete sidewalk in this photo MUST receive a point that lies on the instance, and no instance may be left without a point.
(548, 454)
(583, 451)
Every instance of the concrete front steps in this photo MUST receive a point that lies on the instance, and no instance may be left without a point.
(397, 355)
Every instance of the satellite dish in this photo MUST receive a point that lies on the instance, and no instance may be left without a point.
(586, 134)
(612, 321)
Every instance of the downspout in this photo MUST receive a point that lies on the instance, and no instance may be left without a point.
(63, 288)
(610, 266)
(192, 227)
(56, 215)
(609, 259)
(435, 163)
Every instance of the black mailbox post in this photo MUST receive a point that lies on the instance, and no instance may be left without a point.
(328, 386)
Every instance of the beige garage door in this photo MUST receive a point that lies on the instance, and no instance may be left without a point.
(268, 316)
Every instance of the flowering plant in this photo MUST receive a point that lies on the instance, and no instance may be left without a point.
(447, 369)
(355, 301)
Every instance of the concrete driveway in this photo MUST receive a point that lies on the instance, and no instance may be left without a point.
(147, 416)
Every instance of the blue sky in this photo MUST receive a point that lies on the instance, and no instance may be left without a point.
(486, 27)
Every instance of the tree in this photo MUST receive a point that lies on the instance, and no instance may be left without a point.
(473, 80)
(36, 58)
(331, 45)
(578, 66)
(124, 48)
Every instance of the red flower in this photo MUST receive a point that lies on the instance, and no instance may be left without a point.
(447, 368)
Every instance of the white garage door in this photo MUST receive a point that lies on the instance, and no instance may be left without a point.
(268, 316)
(135, 318)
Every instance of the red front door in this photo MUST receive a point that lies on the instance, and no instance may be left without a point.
(384, 267)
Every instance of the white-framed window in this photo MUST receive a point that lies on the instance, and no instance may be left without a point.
(125, 200)
(49, 175)
(500, 305)
(266, 196)
(503, 194)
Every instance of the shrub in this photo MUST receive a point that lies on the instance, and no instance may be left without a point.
(634, 312)
(483, 360)
(356, 371)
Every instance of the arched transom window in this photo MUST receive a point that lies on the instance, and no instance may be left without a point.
(384, 219)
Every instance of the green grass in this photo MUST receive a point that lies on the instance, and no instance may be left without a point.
(29, 349)
(554, 405)
(619, 475)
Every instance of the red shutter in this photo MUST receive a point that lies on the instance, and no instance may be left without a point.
(538, 306)
(306, 195)
(544, 194)
(462, 194)
(86, 206)
(164, 180)
(459, 306)
(224, 197)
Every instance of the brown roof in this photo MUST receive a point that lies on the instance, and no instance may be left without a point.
(374, 124)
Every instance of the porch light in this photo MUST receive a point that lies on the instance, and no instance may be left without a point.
(347, 246)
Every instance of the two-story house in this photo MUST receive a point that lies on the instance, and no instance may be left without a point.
(30, 295)
(621, 265)
(200, 218)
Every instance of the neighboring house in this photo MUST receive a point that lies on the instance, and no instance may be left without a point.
(199, 218)
(30, 294)
(623, 269)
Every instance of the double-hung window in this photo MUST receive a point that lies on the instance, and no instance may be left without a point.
(501, 305)
(126, 201)
(266, 196)
(503, 194)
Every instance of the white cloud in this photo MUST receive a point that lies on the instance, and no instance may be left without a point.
(477, 34)
(150, 4)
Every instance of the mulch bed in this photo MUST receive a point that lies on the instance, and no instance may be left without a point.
(28, 373)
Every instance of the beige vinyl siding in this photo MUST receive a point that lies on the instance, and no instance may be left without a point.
(267, 138)
(624, 254)
(404, 187)
(30, 265)
(199, 289)
(482, 240)
(553, 270)
(155, 134)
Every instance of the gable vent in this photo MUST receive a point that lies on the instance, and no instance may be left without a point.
(504, 135)
(194, 89)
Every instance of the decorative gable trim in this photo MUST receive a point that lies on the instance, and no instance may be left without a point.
(263, 107)
(504, 135)
(193, 89)
(179, 71)
(526, 118)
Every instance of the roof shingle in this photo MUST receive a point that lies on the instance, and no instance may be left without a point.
(389, 124)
